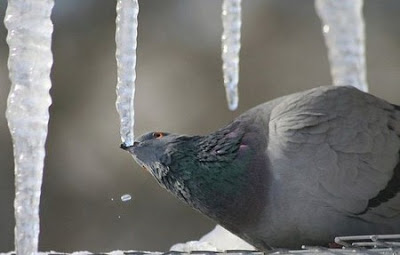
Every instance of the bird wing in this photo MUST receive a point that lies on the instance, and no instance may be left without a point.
(341, 146)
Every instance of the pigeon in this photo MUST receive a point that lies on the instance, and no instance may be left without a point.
(300, 169)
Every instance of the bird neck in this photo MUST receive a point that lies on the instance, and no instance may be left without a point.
(223, 178)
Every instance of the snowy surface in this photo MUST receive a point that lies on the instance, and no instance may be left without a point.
(219, 239)
(29, 39)
(231, 21)
(311, 250)
(193, 246)
(125, 38)
(343, 29)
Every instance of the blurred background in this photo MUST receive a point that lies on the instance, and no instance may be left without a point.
(179, 89)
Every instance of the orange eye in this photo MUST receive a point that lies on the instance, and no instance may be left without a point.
(158, 135)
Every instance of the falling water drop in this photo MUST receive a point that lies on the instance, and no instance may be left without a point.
(126, 197)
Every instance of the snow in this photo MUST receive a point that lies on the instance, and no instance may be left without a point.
(231, 21)
(219, 239)
(343, 29)
(126, 42)
(194, 246)
(30, 60)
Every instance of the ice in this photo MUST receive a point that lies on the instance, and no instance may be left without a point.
(193, 246)
(30, 60)
(219, 239)
(126, 197)
(231, 21)
(125, 38)
(225, 240)
(343, 29)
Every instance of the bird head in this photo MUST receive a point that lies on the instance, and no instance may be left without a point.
(153, 151)
(181, 163)
(214, 174)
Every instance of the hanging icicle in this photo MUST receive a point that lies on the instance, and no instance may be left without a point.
(30, 60)
(231, 21)
(343, 29)
(125, 38)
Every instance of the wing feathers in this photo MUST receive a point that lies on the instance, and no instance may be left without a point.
(347, 139)
(389, 192)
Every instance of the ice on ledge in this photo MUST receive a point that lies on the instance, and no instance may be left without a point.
(193, 246)
(231, 22)
(126, 42)
(30, 60)
(310, 251)
(219, 239)
(343, 29)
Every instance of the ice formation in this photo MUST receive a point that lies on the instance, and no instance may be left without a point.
(343, 29)
(125, 38)
(30, 60)
(231, 21)
(219, 239)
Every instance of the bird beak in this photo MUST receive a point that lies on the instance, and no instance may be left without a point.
(126, 147)
(130, 150)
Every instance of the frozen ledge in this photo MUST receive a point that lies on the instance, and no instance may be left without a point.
(311, 250)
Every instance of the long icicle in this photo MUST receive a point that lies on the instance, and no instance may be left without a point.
(125, 38)
(231, 21)
(343, 29)
(30, 60)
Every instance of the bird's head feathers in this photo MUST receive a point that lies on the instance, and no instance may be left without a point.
(215, 174)
(181, 163)
(153, 151)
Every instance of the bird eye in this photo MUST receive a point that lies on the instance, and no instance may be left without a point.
(158, 135)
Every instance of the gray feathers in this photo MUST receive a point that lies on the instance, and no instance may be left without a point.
(316, 164)
(339, 136)
(389, 192)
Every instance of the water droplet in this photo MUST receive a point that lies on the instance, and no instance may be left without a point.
(126, 197)
(325, 29)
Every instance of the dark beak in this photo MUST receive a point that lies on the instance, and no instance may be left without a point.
(126, 147)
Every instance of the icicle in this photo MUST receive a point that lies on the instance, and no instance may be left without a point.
(125, 38)
(343, 28)
(231, 21)
(30, 60)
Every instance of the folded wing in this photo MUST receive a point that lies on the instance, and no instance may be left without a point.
(341, 147)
